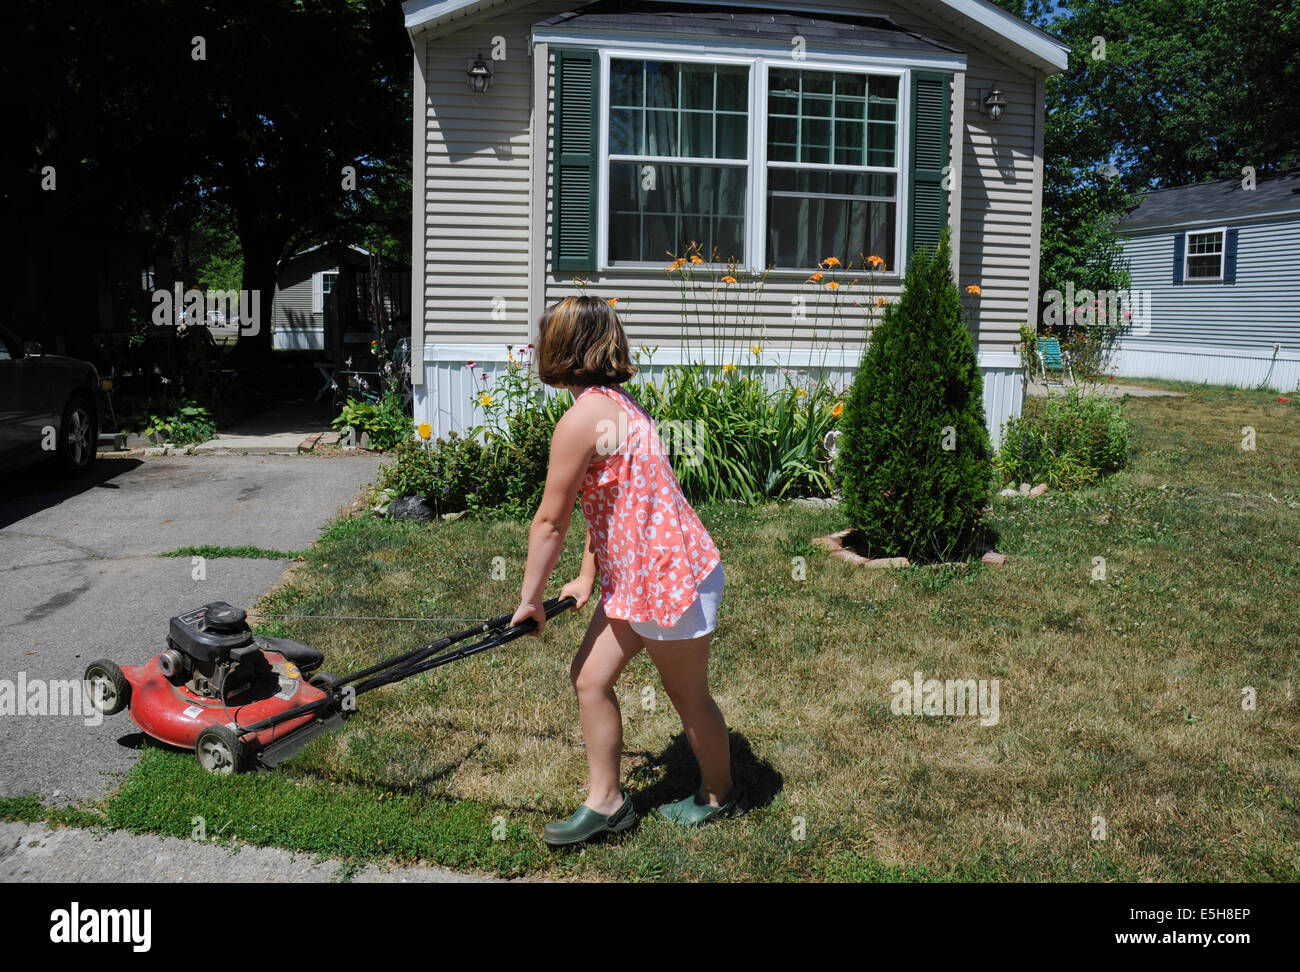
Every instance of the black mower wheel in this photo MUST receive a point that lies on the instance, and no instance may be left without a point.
(109, 690)
(219, 751)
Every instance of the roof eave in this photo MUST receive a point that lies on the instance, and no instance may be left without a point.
(1038, 48)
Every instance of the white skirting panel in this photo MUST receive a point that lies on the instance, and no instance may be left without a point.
(298, 338)
(447, 399)
(1240, 367)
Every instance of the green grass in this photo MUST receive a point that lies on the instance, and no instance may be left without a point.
(1121, 698)
(212, 552)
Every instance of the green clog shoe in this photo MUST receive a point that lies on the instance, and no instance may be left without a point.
(585, 823)
(690, 812)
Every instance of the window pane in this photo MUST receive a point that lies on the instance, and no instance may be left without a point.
(661, 84)
(733, 137)
(862, 184)
(661, 133)
(697, 134)
(625, 137)
(801, 232)
(697, 86)
(816, 139)
(783, 139)
(849, 143)
(687, 203)
(656, 124)
(625, 87)
(880, 144)
(733, 89)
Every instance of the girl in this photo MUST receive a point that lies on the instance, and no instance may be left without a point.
(660, 572)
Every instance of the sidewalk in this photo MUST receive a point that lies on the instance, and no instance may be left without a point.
(1039, 390)
(33, 853)
(279, 431)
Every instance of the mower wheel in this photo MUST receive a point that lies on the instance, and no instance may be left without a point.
(220, 751)
(110, 692)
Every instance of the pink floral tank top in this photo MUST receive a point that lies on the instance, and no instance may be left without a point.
(651, 548)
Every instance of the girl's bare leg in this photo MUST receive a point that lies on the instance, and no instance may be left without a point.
(607, 648)
(683, 667)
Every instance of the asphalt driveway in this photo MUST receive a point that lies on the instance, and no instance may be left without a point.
(80, 579)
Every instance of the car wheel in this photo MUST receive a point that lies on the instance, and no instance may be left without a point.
(78, 435)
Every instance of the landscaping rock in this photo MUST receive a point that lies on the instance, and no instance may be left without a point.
(310, 443)
(817, 502)
(412, 508)
(1024, 489)
(889, 562)
(1009, 492)
(1038, 490)
(994, 558)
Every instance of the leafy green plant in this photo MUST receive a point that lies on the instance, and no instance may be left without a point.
(1075, 441)
(385, 422)
(187, 424)
(445, 472)
(915, 452)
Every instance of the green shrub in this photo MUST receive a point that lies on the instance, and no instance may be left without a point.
(914, 454)
(385, 422)
(1076, 440)
(445, 472)
(188, 424)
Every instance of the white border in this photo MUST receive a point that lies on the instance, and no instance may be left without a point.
(1223, 254)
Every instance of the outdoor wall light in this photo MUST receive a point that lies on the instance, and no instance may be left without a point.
(994, 103)
(479, 75)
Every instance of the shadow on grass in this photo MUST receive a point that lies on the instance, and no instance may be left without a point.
(681, 775)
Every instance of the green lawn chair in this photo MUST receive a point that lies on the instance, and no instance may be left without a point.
(1053, 361)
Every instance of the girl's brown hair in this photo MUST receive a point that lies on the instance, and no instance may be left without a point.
(580, 342)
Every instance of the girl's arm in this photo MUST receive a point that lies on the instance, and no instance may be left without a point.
(573, 445)
(581, 586)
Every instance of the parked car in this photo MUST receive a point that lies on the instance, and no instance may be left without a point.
(48, 407)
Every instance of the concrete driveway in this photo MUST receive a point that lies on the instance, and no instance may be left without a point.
(80, 579)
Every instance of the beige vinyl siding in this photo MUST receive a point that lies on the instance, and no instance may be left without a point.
(996, 227)
(476, 219)
(476, 178)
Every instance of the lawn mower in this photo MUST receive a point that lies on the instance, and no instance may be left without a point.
(245, 701)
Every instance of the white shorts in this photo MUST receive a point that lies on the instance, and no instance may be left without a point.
(700, 618)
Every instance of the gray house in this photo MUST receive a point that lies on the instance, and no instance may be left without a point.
(321, 293)
(1218, 267)
(561, 146)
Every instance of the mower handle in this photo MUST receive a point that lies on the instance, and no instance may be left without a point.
(413, 662)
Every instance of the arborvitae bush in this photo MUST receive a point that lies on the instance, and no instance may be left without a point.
(914, 454)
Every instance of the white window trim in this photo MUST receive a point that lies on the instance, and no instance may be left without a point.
(1222, 231)
(756, 196)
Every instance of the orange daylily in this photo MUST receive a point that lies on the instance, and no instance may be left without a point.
(838, 410)
(612, 301)
(875, 261)
(974, 289)
(728, 279)
(817, 277)
(880, 302)
(695, 258)
(830, 262)
(832, 285)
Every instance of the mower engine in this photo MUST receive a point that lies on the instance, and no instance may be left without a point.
(213, 650)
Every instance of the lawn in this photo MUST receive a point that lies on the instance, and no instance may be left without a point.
(1122, 750)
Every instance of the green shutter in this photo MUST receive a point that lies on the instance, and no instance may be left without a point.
(574, 156)
(928, 209)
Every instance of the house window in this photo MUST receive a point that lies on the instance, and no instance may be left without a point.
(682, 167)
(678, 159)
(832, 177)
(322, 285)
(1204, 256)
